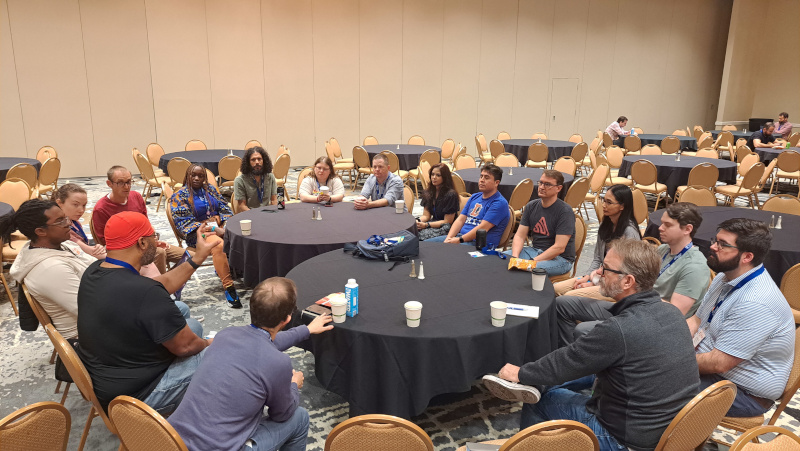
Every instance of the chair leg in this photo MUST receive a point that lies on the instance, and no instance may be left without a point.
(85, 434)
(66, 390)
(53, 358)
(658, 198)
(159, 201)
(8, 292)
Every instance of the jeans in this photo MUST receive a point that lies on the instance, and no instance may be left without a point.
(554, 267)
(193, 324)
(289, 435)
(588, 311)
(173, 384)
(441, 238)
(563, 402)
(743, 405)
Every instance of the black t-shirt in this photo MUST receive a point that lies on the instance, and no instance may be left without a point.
(122, 320)
(546, 223)
(760, 135)
(442, 206)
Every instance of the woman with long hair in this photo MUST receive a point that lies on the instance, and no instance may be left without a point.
(72, 200)
(199, 204)
(322, 176)
(440, 204)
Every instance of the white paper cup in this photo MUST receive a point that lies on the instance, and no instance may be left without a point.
(538, 276)
(399, 206)
(324, 190)
(499, 309)
(339, 311)
(413, 313)
(246, 225)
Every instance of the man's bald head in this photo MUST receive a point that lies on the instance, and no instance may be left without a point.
(272, 301)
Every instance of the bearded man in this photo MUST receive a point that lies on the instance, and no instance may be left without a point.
(256, 185)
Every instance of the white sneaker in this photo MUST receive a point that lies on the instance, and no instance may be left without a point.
(511, 391)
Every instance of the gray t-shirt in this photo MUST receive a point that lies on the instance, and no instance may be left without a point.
(688, 276)
(546, 223)
(244, 187)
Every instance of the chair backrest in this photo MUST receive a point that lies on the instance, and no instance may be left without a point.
(575, 138)
(553, 435)
(48, 174)
(211, 178)
(577, 192)
(580, 239)
(448, 148)
(567, 165)
(729, 127)
(45, 153)
(431, 156)
(614, 155)
(377, 432)
(598, 177)
(595, 145)
(44, 425)
(794, 139)
(767, 172)
(154, 152)
(167, 192)
(644, 172)
(459, 184)
(424, 173)
(38, 310)
(741, 152)
(521, 195)
(640, 211)
(698, 195)
(698, 419)
(705, 174)
(480, 143)
(670, 145)
(785, 440)
(747, 162)
(506, 160)
(370, 140)
(508, 231)
(281, 167)
(416, 139)
(702, 136)
(180, 236)
(579, 152)
(337, 150)
(790, 286)
(252, 143)
(679, 132)
(538, 152)
(14, 191)
(303, 174)
(789, 161)
(708, 141)
(633, 143)
(697, 130)
(361, 157)
(651, 149)
(195, 144)
(176, 169)
(462, 201)
(141, 428)
(782, 203)
(538, 136)
(753, 176)
(503, 135)
(95, 237)
(394, 162)
(145, 168)
(25, 172)
(496, 148)
(707, 152)
(408, 197)
(234, 203)
(464, 162)
(329, 151)
(608, 141)
(229, 166)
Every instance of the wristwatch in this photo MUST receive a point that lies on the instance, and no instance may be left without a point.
(192, 263)
(461, 239)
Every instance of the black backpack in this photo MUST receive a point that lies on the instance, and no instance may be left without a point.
(399, 246)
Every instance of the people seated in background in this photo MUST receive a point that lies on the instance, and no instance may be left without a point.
(382, 188)
(639, 363)
(256, 185)
(783, 128)
(763, 137)
(322, 175)
(550, 222)
(122, 198)
(682, 279)
(744, 330)
(618, 222)
(245, 371)
(196, 205)
(617, 130)
(440, 203)
(485, 210)
(134, 340)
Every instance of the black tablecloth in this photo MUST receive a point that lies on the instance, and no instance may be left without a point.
(5, 209)
(736, 134)
(282, 240)
(208, 158)
(509, 182)
(768, 154)
(785, 251)
(408, 154)
(382, 366)
(555, 149)
(676, 173)
(686, 141)
(7, 163)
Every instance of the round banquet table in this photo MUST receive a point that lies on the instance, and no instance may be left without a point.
(5, 209)
(7, 163)
(687, 142)
(555, 149)
(676, 173)
(785, 250)
(208, 158)
(408, 154)
(382, 366)
(509, 182)
(736, 134)
(281, 240)
(768, 154)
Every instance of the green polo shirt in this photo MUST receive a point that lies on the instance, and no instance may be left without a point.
(688, 276)
(244, 187)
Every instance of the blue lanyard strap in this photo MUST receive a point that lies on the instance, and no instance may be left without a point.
(259, 188)
(741, 283)
(125, 265)
(76, 227)
(378, 188)
(674, 259)
(262, 330)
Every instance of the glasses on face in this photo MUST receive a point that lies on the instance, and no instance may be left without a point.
(156, 235)
(605, 268)
(63, 222)
(609, 202)
(123, 182)
(722, 244)
(545, 185)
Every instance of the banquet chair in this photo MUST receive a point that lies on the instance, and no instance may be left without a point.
(745, 188)
(608, 141)
(341, 165)
(549, 435)
(228, 168)
(370, 140)
(651, 149)
(458, 183)
(3, 280)
(729, 127)
(140, 428)
(48, 176)
(300, 177)
(670, 145)
(448, 152)
(538, 136)
(762, 182)
(596, 182)
(280, 169)
(638, 130)
(794, 139)
(614, 156)
(652, 241)
(580, 240)
(645, 178)
(537, 156)
(724, 142)
(567, 165)
(377, 431)
(195, 144)
(508, 232)
(432, 157)
(337, 152)
(462, 201)
(39, 426)
(46, 152)
(746, 162)
(680, 132)
(150, 179)
(153, 153)
(14, 191)
(575, 138)
(698, 195)
(503, 135)
(362, 164)
(576, 194)
(234, 204)
(394, 165)
(697, 130)
(25, 172)
(707, 152)
(703, 174)
(409, 198)
(784, 440)
(211, 179)
(598, 208)
(788, 167)
(790, 287)
(740, 153)
(694, 424)
(252, 143)
(416, 140)
(641, 211)
(506, 160)
(586, 163)
(176, 169)
(496, 148)
(708, 141)
(520, 197)
(460, 150)
(285, 150)
(633, 144)
(579, 153)
(483, 149)
(782, 203)
(464, 162)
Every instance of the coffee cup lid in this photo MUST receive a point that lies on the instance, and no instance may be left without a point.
(413, 305)
(539, 271)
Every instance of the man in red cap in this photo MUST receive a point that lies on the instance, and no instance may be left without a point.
(133, 338)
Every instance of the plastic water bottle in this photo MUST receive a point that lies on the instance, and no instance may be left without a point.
(633, 132)
(351, 294)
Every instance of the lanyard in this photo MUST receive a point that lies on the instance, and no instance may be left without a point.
(674, 259)
(752, 276)
(261, 330)
(378, 188)
(125, 265)
(259, 189)
(204, 204)
(79, 230)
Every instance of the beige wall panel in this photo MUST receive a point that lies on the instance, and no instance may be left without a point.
(289, 79)
(12, 130)
(51, 73)
(461, 43)
(336, 73)
(704, 87)
(180, 71)
(777, 85)
(569, 41)
(594, 112)
(118, 71)
(237, 72)
(422, 69)
(380, 69)
(737, 93)
(675, 94)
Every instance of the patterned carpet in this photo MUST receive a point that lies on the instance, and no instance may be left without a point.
(450, 420)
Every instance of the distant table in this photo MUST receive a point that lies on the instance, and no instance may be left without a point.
(379, 365)
(736, 134)
(408, 154)
(5, 209)
(687, 142)
(208, 158)
(676, 173)
(555, 149)
(7, 163)
(509, 182)
(281, 240)
(785, 250)
(768, 154)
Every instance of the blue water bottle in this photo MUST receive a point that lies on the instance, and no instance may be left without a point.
(351, 294)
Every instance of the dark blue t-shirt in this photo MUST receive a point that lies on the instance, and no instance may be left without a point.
(494, 209)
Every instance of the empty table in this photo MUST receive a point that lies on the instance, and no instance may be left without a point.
(7, 163)
(555, 149)
(408, 154)
(5, 209)
(509, 182)
(382, 366)
(768, 154)
(736, 134)
(686, 141)
(676, 173)
(282, 239)
(208, 158)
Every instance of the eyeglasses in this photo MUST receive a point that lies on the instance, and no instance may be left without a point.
(722, 244)
(546, 185)
(605, 268)
(64, 222)
(123, 183)
(608, 202)
(156, 235)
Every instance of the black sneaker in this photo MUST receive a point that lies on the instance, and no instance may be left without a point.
(232, 297)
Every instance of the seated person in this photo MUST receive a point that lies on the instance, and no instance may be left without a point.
(322, 175)
(744, 330)
(256, 185)
(618, 222)
(440, 204)
(617, 130)
(638, 364)
(245, 371)
(72, 200)
(134, 339)
(486, 210)
(198, 204)
(550, 222)
(783, 129)
(682, 279)
(382, 188)
(763, 137)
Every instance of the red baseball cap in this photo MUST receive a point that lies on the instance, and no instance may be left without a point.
(124, 229)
